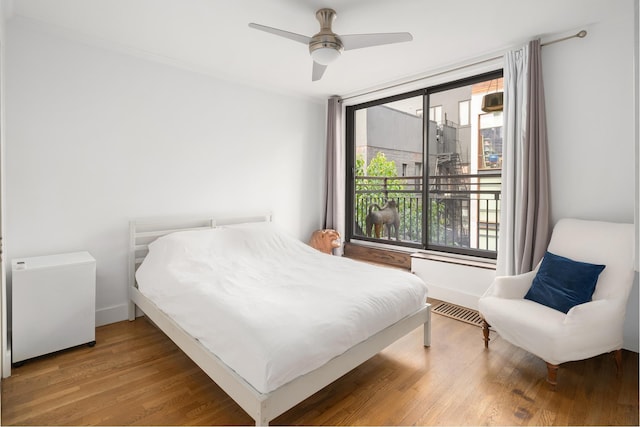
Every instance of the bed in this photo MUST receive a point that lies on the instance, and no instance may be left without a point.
(242, 299)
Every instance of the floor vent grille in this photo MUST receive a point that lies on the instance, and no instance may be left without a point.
(459, 313)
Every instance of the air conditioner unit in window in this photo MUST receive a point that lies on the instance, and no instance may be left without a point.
(492, 102)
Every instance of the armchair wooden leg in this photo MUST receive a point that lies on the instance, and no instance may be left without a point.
(552, 375)
(618, 357)
(485, 332)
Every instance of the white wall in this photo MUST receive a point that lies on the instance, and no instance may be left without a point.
(96, 138)
(590, 111)
(634, 301)
(591, 123)
(5, 355)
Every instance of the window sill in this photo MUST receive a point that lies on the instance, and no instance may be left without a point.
(378, 255)
(371, 251)
(402, 257)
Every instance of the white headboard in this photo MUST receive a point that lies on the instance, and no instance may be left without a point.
(144, 231)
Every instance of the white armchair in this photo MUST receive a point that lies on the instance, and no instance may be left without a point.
(586, 330)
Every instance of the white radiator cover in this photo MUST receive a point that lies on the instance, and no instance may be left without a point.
(452, 282)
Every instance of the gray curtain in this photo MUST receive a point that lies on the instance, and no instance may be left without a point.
(524, 215)
(334, 175)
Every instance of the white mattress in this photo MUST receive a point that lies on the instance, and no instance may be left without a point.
(269, 306)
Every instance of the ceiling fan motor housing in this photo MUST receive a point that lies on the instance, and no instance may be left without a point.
(325, 38)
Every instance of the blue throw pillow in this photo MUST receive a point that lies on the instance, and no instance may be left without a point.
(562, 283)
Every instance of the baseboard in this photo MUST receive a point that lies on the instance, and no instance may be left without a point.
(116, 313)
(6, 364)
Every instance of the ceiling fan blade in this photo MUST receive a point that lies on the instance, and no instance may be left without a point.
(289, 35)
(358, 41)
(318, 71)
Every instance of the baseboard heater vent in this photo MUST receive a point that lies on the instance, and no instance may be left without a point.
(459, 313)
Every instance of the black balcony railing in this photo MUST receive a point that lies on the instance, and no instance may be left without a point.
(462, 211)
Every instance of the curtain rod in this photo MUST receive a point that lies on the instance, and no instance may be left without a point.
(580, 34)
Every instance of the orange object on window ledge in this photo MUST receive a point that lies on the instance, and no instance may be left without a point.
(325, 240)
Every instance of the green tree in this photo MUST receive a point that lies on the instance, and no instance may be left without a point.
(380, 166)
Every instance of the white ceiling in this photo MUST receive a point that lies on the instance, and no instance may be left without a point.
(212, 36)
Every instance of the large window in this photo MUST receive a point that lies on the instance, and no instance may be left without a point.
(452, 203)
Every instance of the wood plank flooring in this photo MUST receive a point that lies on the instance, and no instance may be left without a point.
(137, 376)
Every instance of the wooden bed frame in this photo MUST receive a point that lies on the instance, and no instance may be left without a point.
(261, 407)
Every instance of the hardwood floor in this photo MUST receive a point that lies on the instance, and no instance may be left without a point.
(137, 376)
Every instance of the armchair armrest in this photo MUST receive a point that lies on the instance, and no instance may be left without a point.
(595, 325)
(511, 287)
(604, 311)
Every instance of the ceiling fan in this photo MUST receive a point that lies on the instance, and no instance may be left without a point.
(326, 46)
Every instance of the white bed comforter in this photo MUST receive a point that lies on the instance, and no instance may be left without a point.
(269, 306)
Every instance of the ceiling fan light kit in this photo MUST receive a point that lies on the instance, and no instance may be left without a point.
(325, 55)
(326, 46)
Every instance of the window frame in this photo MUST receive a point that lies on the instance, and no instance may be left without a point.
(350, 184)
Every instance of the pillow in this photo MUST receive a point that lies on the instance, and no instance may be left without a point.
(562, 283)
